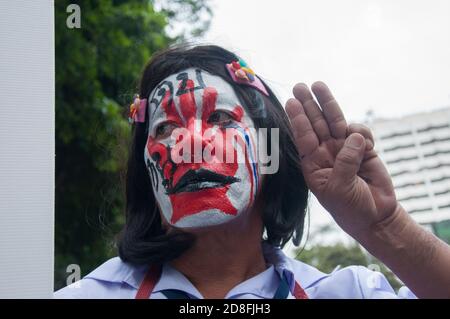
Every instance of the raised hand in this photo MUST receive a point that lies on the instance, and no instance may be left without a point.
(338, 161)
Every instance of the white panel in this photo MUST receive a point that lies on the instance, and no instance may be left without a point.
(26, 148)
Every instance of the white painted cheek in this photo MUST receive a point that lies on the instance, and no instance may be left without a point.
(254, 145)
(239, 193)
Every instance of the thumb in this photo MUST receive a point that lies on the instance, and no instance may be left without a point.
(349, 158)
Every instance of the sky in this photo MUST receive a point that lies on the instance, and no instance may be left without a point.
(392, 57)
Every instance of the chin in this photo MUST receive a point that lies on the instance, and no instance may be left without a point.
(205, 218)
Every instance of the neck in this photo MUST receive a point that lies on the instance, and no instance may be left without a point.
(224, 256)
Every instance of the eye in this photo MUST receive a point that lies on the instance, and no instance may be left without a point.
(220, 118)
(164, 130)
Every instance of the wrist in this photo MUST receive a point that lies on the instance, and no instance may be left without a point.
(390, 235)
(415, 255)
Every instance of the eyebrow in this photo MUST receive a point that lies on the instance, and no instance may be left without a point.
(224, 98)
(156, 115)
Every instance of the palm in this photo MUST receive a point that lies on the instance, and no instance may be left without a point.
(357, 194)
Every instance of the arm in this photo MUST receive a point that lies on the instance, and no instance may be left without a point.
(348, 178)
(416, 256)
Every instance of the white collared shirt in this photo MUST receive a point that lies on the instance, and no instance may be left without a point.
(116, 279)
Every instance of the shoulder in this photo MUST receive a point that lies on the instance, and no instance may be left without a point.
(112, 279)
(355, 282)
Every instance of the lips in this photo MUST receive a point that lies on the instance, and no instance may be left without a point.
(200, 179)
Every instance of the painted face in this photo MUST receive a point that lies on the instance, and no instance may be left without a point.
(201, 150)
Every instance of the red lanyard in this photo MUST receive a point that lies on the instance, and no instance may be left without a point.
(154, 273)
(149, 282)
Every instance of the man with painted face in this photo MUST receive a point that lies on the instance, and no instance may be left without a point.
(195, 192)
(204, 221)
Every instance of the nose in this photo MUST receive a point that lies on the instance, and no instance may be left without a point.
(192, 143)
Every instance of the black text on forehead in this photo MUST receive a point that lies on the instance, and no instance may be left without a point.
(176, 85)
(196, 76)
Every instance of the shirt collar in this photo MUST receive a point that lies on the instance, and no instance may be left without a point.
(294, 270)
(115, 270)
(283, 267)
(262, 285)
(173, 279)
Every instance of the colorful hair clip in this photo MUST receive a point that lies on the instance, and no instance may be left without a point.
(242, 74)
(137, 110)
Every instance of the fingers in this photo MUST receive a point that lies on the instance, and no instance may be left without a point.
(364, 131)
(349, 158)
(312, 111)
(331, 110)
(305, 138)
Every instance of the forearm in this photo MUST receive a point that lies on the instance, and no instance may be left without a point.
(417, 257)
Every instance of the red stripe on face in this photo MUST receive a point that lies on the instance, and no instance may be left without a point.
(209, 106)
(238, 112)
(187, 101)
(169, 109)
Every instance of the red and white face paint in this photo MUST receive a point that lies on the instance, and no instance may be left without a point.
(196, 192)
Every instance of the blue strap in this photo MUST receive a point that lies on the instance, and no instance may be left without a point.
(175, 294)
(283, 289)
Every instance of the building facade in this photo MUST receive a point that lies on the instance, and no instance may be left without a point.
(416, 151)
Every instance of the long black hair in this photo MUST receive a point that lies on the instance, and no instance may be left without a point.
(284, 194)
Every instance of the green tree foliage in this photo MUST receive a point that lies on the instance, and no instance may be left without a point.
(97, 68)
(191, 17)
